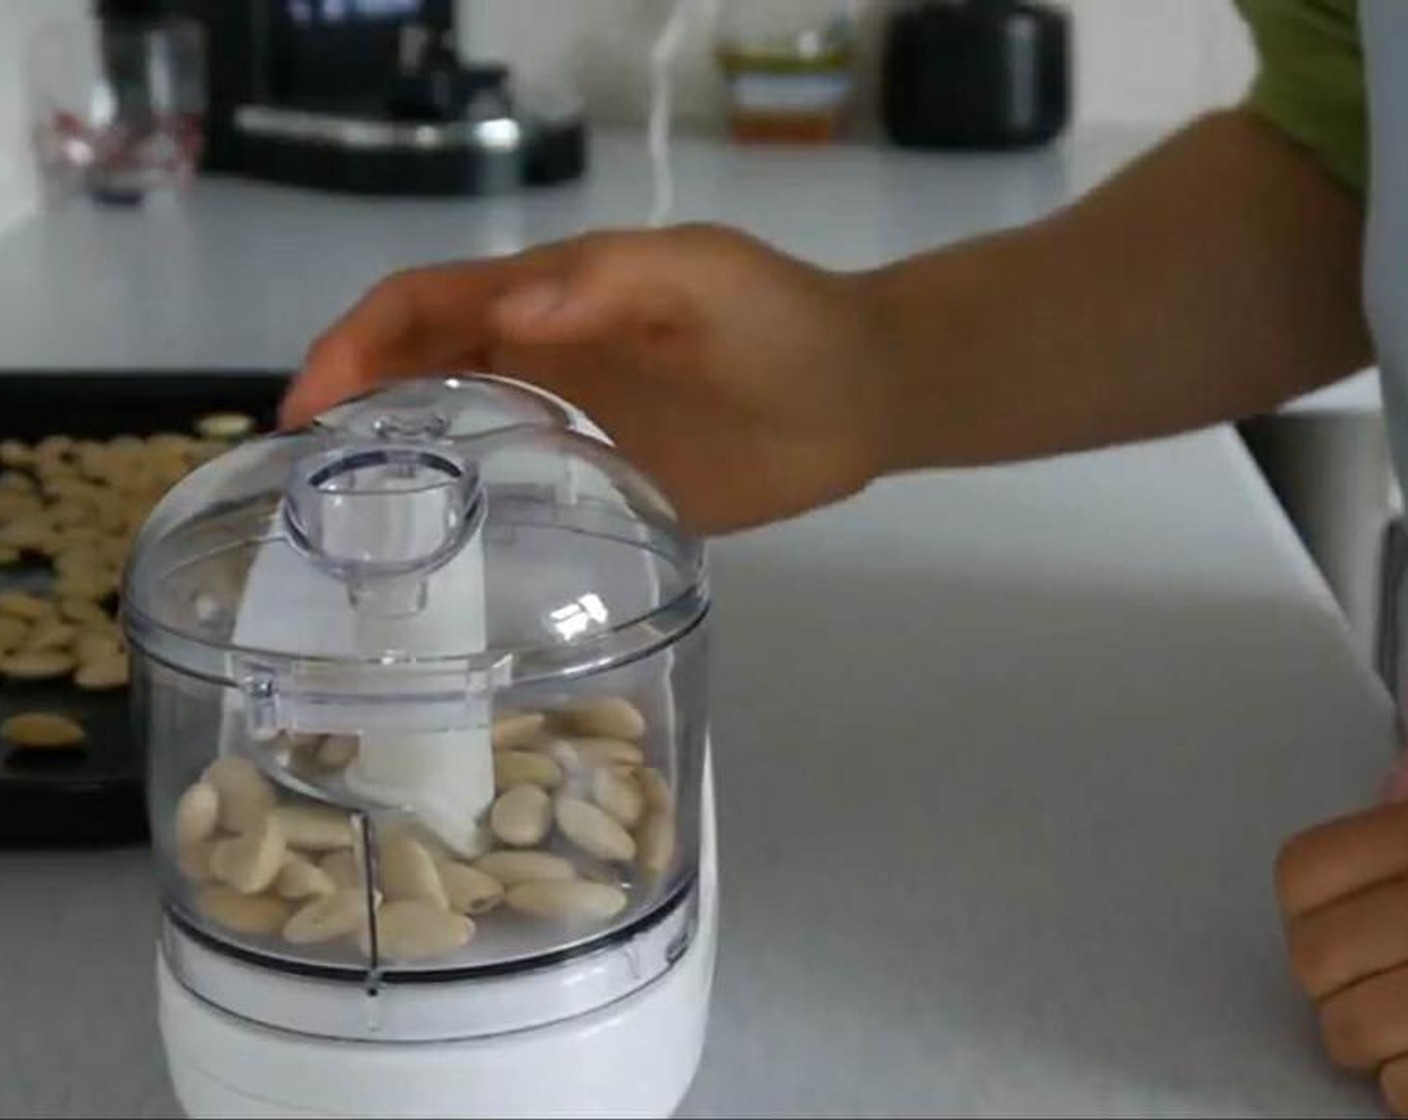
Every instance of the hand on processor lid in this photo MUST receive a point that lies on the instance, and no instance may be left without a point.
(734, 375)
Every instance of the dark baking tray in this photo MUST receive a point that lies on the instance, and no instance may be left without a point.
(97, 797)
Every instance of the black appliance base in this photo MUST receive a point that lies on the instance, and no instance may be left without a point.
(554, 155)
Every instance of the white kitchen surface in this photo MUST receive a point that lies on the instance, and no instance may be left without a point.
(1004, 756)
(1003, 762)
(1353, 395)
(246, 273)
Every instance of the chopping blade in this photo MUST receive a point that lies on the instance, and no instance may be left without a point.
(442, 778)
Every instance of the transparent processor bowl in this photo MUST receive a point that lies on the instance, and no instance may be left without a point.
(423, 690)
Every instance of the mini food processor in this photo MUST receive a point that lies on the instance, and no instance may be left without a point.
(423, 689)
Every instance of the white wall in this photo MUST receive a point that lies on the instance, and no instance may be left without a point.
(1136, 60)
(18, 20)
(1159, 60)
(16, 193)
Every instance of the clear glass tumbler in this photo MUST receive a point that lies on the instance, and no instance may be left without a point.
(117, 105)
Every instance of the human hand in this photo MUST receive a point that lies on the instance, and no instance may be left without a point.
(1343, 890)
(740, 379)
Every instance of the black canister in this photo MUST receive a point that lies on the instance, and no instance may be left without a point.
(976, 74)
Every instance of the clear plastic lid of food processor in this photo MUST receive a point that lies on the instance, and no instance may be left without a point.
(420, 686)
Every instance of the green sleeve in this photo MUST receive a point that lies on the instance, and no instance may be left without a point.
(1310, 81)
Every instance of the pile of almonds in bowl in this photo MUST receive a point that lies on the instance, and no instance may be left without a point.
(578, 822)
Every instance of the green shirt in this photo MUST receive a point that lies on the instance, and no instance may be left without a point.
(1310, 82)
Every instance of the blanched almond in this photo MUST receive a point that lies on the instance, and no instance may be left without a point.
(574, 901)
(69, 511)
(197, 811)
(326, 919)
(615, 790)
(18, 502)
(16, 505)
(42, 731)
(469, 890)
(21, 604)
(658, 795)
(246, 796)
(39, 665)
(522, 816)
(55, 447)
(413, 930)
(607, 752)
(82, 611)
(243, 913)
(612, 717)
(16, 453)
(514, 768)
(50, 635)
(315, 828)
(655, 842)
(301, 878)
(100, 675)
(193, 860)
(80, 558)
(344, 868)
(593, 830)
(224, 426)
(12, 632)
(250, 862)
(604, 716)
(31, 534)
(85, 585)
(515, 730)
(96, 644)
(407, 871)
(512, 868)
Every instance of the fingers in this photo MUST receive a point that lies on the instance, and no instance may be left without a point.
(602, 283)
(1357, 937)
(408, 324)
(1367, 1024)
(446, 318)
(1344, 889)
(1393, 1081)
(1341, 857)
(1395, 789)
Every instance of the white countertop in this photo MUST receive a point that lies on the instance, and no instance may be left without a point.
(1003, 761)
(245, 274)
(1357, 395)
(1003, 756)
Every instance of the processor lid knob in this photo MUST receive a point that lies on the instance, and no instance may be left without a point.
(378, 513)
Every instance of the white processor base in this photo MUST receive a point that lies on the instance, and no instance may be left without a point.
(634, 1057)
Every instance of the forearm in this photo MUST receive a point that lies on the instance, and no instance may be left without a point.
(1215, 277)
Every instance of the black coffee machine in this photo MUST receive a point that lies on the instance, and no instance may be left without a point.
(370, 96)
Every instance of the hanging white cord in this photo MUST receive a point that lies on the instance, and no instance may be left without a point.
(662, 61)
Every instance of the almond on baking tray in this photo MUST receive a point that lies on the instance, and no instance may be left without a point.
(42, 731)
(102, 673)
(224, 425)
(37, 665)
(21, 604)
(75, 505)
